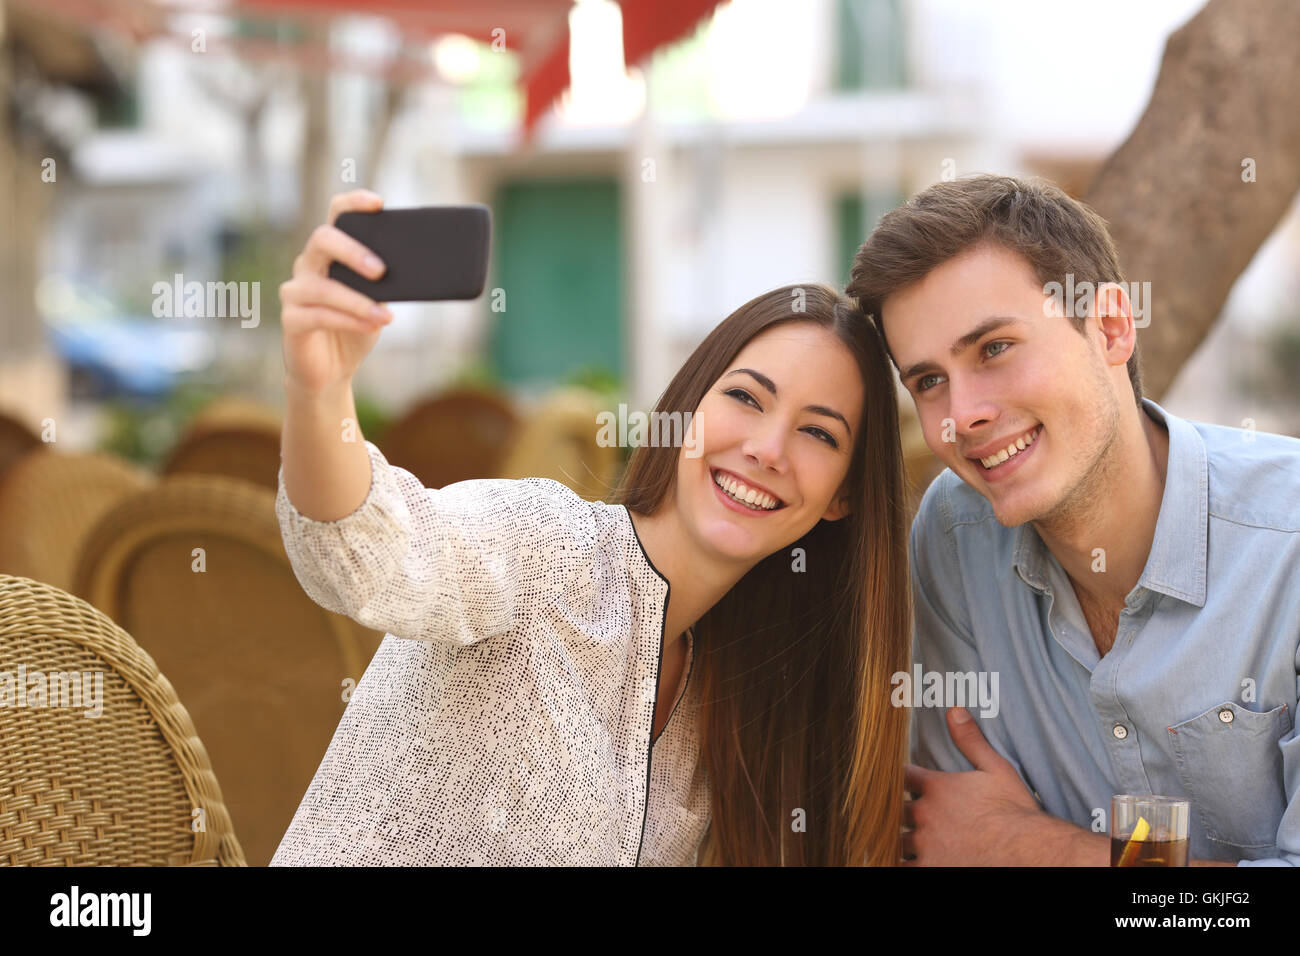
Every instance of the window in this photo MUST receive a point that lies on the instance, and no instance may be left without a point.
(870, 43)
(855, 217)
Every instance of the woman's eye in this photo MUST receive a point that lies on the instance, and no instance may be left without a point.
(821, 433)
(920, 383)
(825, 436)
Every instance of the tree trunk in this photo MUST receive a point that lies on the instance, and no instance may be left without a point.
(390, 102)
(317, 169)
(1177, 194)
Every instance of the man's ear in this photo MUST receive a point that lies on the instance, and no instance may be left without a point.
(1114, 317)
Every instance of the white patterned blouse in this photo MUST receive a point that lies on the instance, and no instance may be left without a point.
(506, 717)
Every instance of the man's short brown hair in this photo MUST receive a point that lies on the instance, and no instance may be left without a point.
(1032, 217)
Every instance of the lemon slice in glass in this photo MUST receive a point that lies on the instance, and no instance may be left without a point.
(1140, 832)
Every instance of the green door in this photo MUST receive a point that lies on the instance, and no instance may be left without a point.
(559, 264)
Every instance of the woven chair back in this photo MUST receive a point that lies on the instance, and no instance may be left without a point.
(16, 440)
(49, 502)
(248, 452)
(100, 764)
(195, 569)
(456, 436)
(562, 440)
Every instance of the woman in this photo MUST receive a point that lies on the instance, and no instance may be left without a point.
(736, 614)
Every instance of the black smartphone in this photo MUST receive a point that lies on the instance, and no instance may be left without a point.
(433, 253)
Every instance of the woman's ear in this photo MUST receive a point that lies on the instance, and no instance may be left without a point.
(839, 506)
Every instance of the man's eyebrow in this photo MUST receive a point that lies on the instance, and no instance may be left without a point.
(770, 385)
(963, 343)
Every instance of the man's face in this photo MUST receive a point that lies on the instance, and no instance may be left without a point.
(1020, 405)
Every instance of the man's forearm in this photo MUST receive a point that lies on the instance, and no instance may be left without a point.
(1080, 847)
(1076, 846)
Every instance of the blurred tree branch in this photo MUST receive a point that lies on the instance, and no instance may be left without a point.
(320, 174)
(245, 93)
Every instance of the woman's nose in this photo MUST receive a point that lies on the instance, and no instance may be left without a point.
(766, 448)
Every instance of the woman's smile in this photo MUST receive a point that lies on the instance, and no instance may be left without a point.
(739, 495)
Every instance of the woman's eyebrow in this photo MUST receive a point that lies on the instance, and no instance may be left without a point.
(770, 385)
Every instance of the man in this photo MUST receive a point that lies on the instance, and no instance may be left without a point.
(1131, 579)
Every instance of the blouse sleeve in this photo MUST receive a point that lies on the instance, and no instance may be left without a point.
(453, 565)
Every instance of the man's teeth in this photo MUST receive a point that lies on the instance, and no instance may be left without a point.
(744, 494)
(1017, 446)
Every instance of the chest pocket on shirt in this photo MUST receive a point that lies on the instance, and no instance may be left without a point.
(1231, 768)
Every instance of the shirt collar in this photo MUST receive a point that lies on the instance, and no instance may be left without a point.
(1176, 565)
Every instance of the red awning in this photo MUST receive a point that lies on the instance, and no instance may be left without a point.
(537, 30)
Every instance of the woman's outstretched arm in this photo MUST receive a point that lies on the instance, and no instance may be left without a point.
(453, 565)
(328, 330)
(325, 476)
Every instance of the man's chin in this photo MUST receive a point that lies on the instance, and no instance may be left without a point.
(1011, 509)
(1012, 519)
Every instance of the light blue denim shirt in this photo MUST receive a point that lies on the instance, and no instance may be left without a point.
(1197, 697)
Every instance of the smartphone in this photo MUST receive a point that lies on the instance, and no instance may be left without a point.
(433, 253)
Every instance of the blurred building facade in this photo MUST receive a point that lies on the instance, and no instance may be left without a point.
(757, 153)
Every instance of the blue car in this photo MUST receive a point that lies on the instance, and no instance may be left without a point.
(118, 354)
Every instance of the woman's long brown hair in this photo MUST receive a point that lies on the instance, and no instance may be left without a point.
(803, 750)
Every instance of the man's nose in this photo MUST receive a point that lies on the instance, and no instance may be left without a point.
(969, 404)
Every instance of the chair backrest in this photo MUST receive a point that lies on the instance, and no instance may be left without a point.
(49, 501)
(195, 569)
(16, 440)
(228, 411)
(100, 764)
(455, 436)
(561, 440)
(248, 452)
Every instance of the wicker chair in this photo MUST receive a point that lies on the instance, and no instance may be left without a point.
(16, 440)
(235, 411)
(559, 441)
(458, 435)
(261, 667)
(49, 501)
(115, 789)
(248, 452)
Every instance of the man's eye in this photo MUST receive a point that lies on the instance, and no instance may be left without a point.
(999, 351)
(743, 396)
(920, 383)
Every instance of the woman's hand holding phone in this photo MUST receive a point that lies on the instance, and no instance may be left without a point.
(329, 329)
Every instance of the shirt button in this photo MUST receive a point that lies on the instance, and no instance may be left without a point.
(1225, 715)
(1120, 731)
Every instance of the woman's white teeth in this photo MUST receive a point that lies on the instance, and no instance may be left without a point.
(1017, 446)
(744, 494)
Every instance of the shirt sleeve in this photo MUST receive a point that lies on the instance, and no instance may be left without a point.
(941, 636)
(452, 565)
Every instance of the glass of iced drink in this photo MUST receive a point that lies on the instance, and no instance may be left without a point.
(1148, 830)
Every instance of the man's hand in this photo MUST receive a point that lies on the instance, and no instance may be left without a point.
(986, 816)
